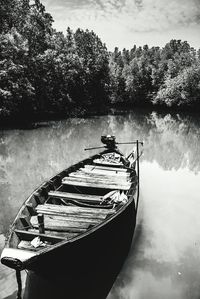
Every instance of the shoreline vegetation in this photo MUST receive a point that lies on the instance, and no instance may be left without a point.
(46, 74)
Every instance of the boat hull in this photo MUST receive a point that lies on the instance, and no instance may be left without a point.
(86, 268)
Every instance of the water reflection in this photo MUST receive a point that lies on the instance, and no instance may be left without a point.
(163, 262)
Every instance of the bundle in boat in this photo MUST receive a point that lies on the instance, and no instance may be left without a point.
(109, 159)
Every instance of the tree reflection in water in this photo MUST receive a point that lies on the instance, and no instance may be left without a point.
(163, 262)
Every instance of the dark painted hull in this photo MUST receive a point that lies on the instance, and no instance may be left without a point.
(86, 268)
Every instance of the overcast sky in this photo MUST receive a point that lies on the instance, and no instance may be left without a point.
(124, 23)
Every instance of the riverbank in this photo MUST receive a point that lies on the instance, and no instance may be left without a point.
(43, 119)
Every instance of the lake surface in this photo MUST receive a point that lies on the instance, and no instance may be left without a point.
(164, 261)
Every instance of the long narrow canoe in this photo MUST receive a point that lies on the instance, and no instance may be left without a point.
(74, 231)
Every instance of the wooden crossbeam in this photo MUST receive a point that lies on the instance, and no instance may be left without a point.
(63, 235)
(29, 235)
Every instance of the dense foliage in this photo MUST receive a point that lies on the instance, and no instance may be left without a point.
(168, 76)
(45, 72)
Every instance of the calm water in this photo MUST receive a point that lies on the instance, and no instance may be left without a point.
(165, 256)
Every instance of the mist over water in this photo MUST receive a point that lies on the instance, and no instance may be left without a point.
(165, 255)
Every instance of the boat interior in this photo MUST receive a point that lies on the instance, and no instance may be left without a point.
(73, 202)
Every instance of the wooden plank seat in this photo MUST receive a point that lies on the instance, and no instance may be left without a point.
(74, 211)
(94, 179)
(57, 223)
(103, 177)
(95, 183)
(69, 218)
(77, 196)
(114, 169)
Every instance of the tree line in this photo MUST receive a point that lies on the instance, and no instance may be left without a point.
(168, 76)
(44, 72)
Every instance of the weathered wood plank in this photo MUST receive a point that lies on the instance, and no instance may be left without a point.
(70, 219)
(95, 183)
(115, 169)
(76, 196)
(92, 179)
(74, 215)
(61, 225)
(72, 210)
(99, 177)
(102, 173)
(56, 221)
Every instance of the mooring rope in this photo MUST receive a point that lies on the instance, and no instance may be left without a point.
(19, 283)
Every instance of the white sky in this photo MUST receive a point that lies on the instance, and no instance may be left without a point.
(124, 23)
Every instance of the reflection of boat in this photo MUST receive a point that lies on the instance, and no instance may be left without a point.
(75, 230)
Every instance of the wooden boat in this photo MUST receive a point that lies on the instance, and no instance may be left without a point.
(74, 231)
